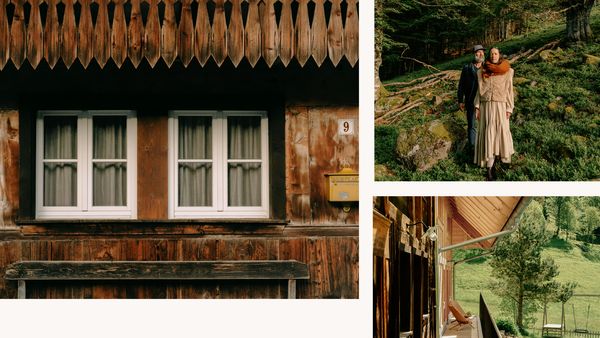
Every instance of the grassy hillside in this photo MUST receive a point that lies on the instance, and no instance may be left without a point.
(555, 125)
(574, 265)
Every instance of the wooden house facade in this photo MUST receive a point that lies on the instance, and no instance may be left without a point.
(177, 133)
(413, 264)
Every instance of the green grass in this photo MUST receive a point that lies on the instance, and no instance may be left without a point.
(471, 279)
(555, 126)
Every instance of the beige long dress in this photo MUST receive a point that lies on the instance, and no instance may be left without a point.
(494, 98)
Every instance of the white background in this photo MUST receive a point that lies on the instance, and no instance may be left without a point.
(261, 318)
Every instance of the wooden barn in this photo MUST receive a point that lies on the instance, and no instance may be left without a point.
(179, 148)
(413, 266)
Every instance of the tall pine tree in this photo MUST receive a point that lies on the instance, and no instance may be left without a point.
(522, 275)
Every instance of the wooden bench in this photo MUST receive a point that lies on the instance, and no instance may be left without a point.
(156, 270)
(552, 330)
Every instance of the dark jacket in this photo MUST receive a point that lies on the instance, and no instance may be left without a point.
(467, 86)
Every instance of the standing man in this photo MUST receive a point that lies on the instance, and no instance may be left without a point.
(467, 89)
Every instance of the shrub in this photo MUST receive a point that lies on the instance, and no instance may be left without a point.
(507, 326)
(385, 144)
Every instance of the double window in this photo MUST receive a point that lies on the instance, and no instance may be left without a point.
(218, 164)
(86, 164)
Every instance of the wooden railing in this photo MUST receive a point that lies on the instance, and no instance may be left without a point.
(488, 325)
(36, 30)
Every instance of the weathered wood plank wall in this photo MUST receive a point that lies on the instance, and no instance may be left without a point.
(328, 28)
(314, 148)
(9, 167)
(152, 153)
(404, 287)
(332, 261)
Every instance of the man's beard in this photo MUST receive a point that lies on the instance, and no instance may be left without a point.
(477, 59)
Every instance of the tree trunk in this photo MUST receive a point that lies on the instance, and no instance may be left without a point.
(378, 48)
(578, 21)
(520, 309)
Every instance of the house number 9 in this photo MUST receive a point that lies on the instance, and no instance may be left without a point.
(346, 127)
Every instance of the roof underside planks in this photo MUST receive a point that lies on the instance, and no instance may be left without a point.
(474, 217)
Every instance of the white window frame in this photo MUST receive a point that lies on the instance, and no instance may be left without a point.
(84, 208)
(219, 169)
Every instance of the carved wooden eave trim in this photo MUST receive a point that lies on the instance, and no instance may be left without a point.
(177, 31)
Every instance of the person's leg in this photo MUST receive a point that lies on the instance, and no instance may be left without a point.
(471, 132)
(491, 176)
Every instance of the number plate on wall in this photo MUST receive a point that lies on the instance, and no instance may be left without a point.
(346, 127)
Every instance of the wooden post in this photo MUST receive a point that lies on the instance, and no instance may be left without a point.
(21, 294)
(291, 289)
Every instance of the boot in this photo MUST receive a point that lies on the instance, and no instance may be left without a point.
(490, 174)
(494, 176)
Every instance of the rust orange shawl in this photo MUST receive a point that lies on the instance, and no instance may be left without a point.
(491, 69)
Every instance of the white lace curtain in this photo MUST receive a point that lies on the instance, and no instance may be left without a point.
(109, 161)
(60, 161)
(195, 161)
(244, 177)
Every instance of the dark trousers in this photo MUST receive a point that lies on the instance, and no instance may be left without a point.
(471, 132)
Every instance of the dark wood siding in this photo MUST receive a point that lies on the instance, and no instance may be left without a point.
(332, 261)
(152, 185)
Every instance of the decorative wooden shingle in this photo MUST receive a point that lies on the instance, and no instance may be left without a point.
(237, 29)
(118, 37)
(219, 33)
(202, 34)
(185, 33)
(52, 34)
(168, 39)
(303, 49)
(286, 33)
(318, 33)
(351, 33)
(68, 34)
(335, 33)
(152, 35)
(270, 34)
(4, 34)
(135, 34)
(18, 35)
(235, 34)
(253, 36)
(35, 35)
(85, 34)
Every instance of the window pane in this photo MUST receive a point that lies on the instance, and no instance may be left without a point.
(195, 137)
(60, 184)
(110, 184)
(195, 184)
(60, 137)
(110, 137)
(243, 135)
(244, 184)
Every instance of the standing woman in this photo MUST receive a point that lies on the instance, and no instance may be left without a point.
(494, 104)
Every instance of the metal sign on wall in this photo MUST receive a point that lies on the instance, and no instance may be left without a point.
(346, 127)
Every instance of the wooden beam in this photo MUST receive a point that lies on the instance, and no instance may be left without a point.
(153, 270)
(291, 289)
(21, 291)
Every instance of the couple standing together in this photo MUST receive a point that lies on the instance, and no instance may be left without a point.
(485, 91)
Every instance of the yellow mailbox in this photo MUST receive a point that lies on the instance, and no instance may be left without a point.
(342, 186)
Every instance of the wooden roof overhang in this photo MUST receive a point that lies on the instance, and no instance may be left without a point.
(481, 216)
(177, 31)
